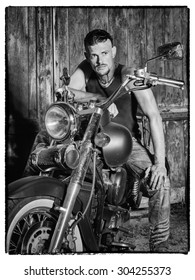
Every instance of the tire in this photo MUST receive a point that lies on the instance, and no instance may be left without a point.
(30, 225)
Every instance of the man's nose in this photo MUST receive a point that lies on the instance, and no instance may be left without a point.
(99, 59)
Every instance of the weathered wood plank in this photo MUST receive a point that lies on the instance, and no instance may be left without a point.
(17, 59)
(187, 160)
(78, 28)
(155, 38)
(178, 195)
(32, 65)
(184, 15)
(155, 34)
(175, 116)
(175, 152)
(61, 43)
(44, 60)
(97, 18)
(186, 148)
(136, 30)
(173, 69)
(117, 25)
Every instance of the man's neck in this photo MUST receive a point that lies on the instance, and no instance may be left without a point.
(107, 79)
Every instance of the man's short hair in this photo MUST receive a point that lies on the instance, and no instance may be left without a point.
(96, 36)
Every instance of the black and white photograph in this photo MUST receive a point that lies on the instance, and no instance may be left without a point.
(97, 138)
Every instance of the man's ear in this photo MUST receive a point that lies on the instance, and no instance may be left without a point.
(113, 51)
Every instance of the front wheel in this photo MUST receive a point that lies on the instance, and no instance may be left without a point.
(30, 226)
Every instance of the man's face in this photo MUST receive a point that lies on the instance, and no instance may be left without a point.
(101, 57)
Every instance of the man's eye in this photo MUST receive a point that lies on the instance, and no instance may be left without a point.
(105, 53)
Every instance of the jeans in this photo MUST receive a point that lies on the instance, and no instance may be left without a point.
(159, 202)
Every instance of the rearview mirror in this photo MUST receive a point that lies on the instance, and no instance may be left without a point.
(171, 51)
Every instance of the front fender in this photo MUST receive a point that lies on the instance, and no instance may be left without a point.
(48, 186)
(35, 186)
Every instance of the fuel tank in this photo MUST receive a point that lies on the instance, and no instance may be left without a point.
(118, 150)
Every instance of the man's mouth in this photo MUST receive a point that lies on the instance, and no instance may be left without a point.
(99, 67)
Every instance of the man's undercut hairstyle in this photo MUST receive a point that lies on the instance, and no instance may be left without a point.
(96, 36)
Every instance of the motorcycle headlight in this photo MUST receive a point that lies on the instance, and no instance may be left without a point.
(60, 121)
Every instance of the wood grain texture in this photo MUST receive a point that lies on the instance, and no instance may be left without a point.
(175, 152)
(155, 38)
(61, 43)
(173, 68)
(32, 65)
(97, 18)
(184, 16)
(78, 28)
(44, 60)
(17, 60)
(117, 26)
(136, 28)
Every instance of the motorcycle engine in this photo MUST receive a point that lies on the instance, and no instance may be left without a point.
(116, 184)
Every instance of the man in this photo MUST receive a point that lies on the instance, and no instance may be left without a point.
(99, 75)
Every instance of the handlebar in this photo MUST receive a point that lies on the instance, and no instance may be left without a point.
(144, 80)
(166, 81)
(152, 79)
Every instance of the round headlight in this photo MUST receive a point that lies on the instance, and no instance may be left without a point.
(60, 121)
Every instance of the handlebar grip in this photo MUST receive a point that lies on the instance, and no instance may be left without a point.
(168, 81)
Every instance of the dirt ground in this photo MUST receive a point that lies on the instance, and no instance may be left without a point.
(179, 231)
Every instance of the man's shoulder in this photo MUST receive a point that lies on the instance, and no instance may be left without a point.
(85, 67)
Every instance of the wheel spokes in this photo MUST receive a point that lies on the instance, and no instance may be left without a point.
(24, 229)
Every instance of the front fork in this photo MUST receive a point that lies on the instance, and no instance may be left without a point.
(77, 178)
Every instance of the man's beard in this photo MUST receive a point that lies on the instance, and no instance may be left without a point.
(99, 73)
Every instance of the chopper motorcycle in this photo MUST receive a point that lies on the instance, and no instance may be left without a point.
(81, 200)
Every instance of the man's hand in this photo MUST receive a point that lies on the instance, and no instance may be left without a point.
(158, 176)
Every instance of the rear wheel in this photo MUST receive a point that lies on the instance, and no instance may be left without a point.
(30, 226)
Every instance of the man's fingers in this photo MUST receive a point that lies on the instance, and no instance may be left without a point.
(147, 172)
(158, 182)
(154, 180)
(157, 178)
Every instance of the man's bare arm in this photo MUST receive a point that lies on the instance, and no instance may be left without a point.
(78, 87)
(148, 105)
(83, 96)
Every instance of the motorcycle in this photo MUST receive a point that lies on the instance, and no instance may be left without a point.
(82, 198)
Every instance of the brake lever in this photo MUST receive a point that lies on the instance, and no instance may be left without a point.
(151, 79)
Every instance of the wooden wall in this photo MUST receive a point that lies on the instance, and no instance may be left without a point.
(41, 41)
